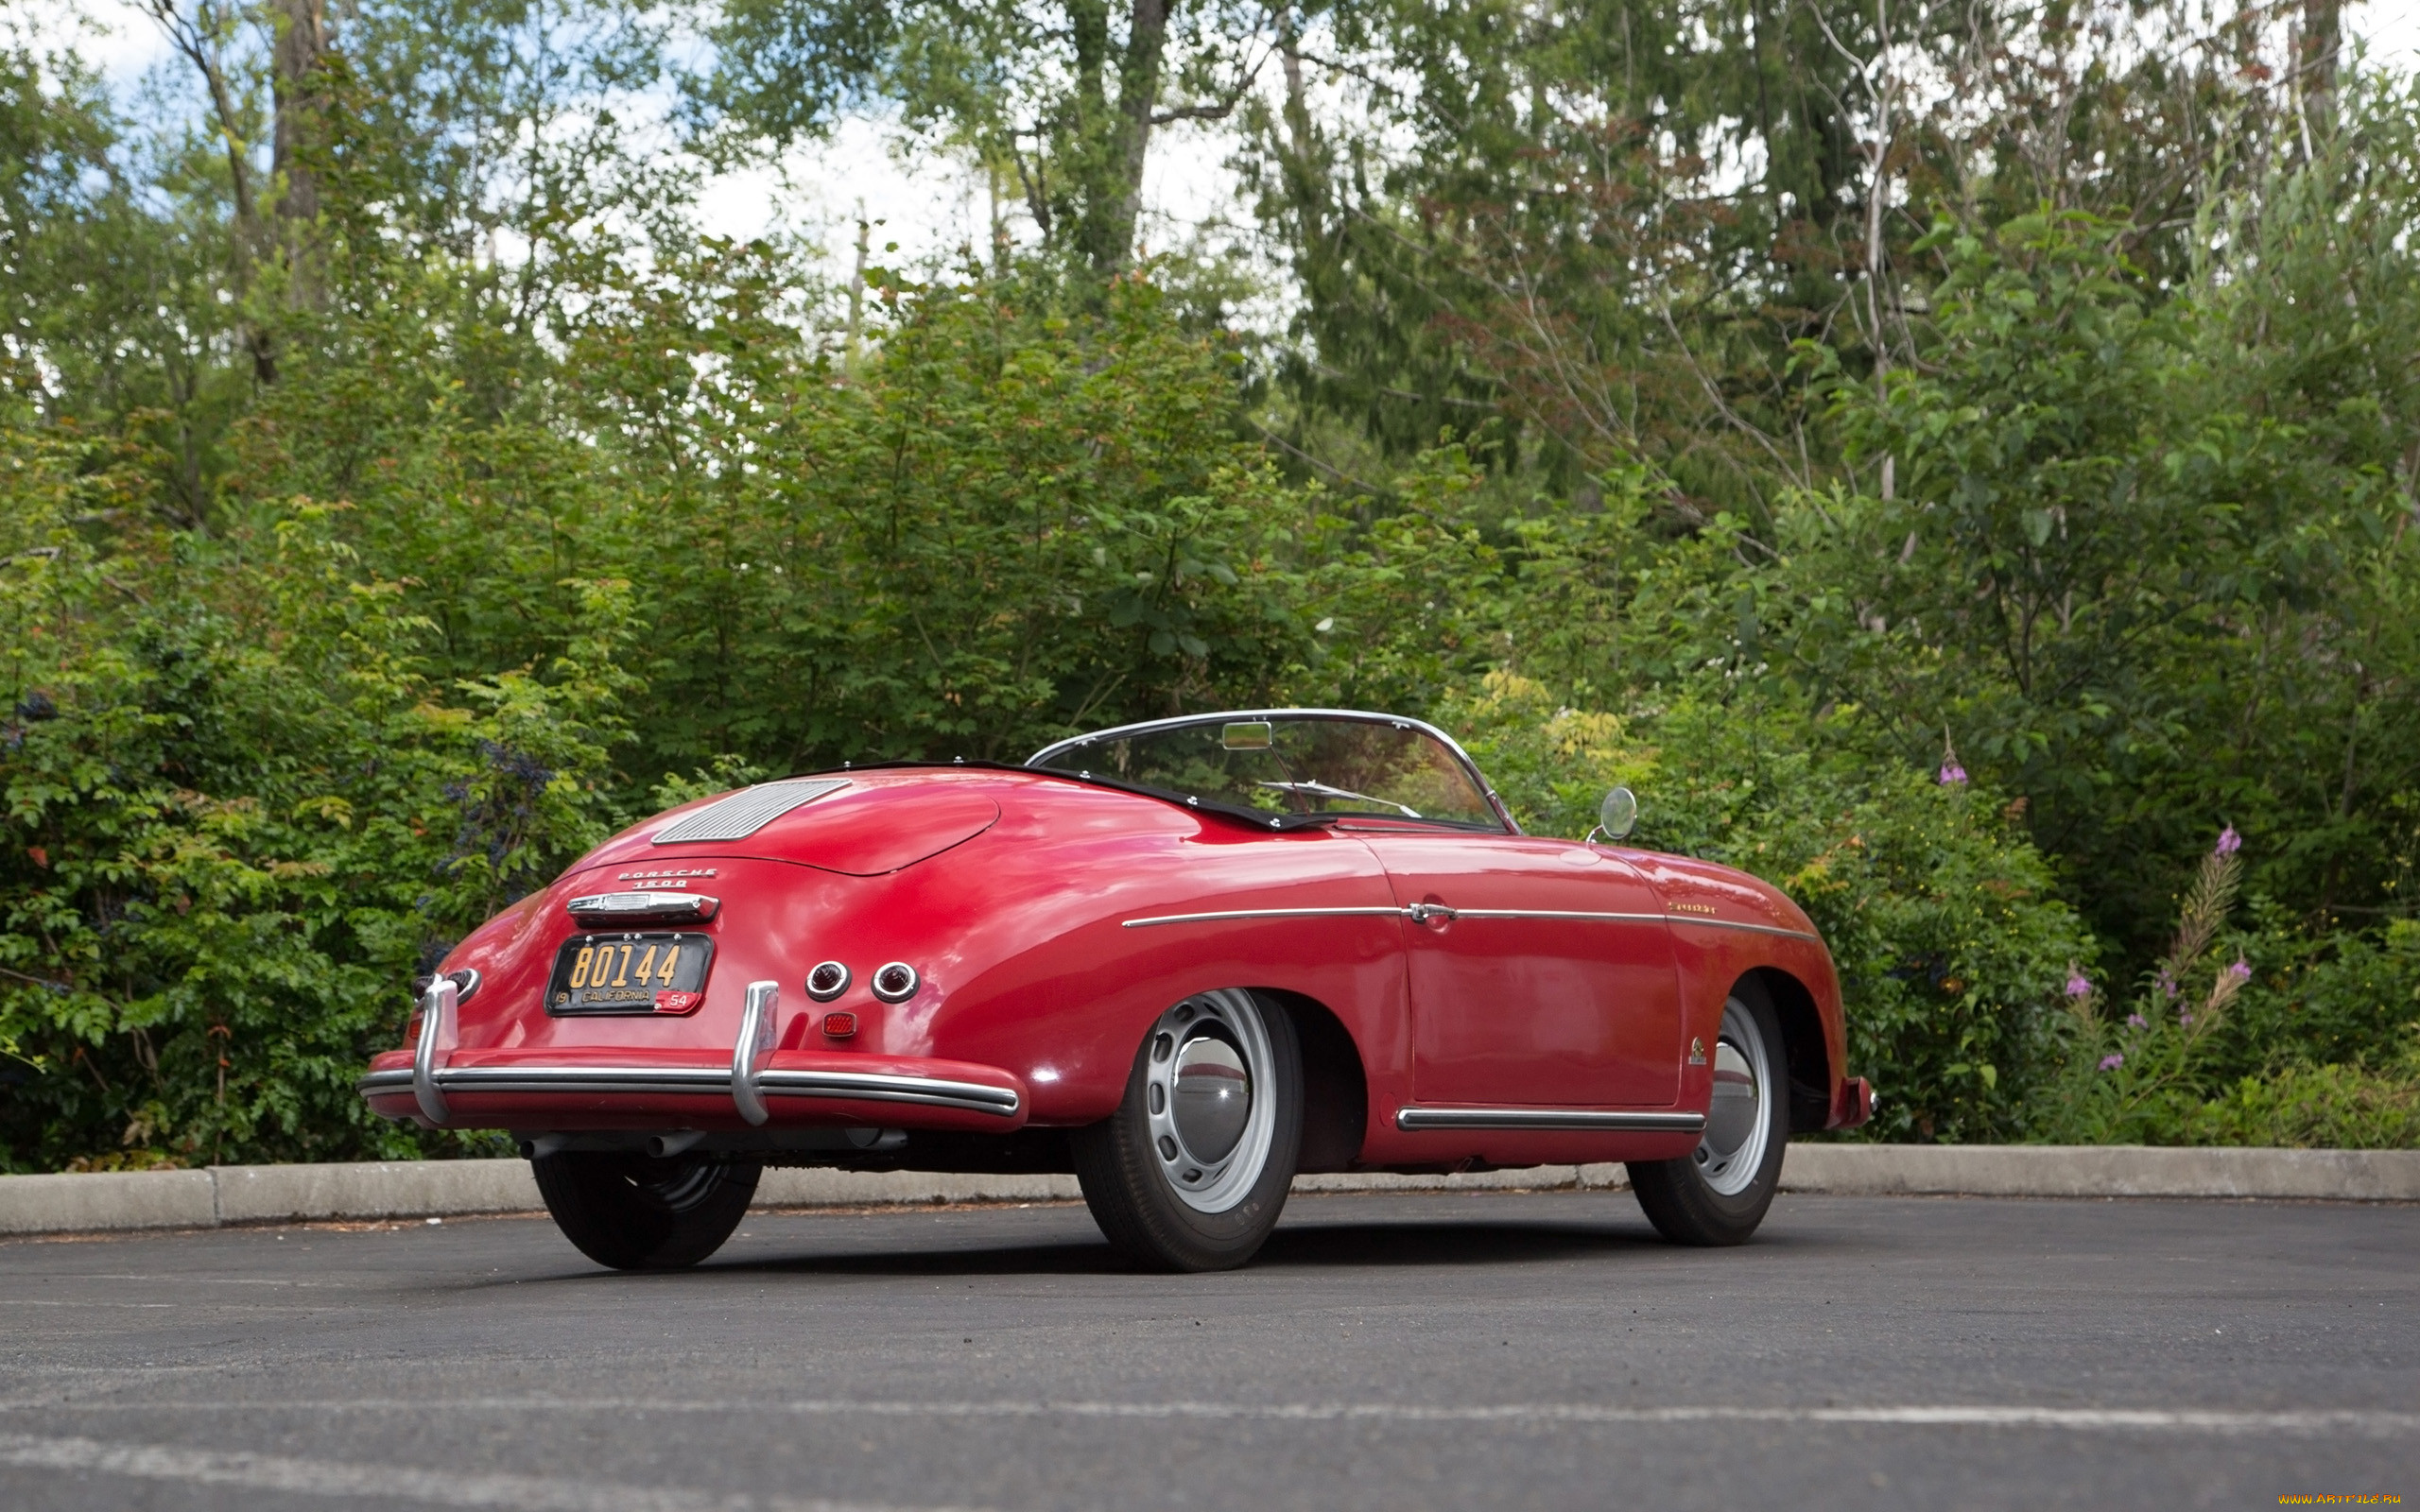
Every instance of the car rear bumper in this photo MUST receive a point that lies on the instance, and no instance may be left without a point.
(441, 1085)
(538, 1089)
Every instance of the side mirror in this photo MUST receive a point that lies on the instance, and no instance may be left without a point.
(1617, 816)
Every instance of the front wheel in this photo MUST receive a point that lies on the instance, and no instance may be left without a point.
(639, 1212)
(1718, 1194)
(1192, 1170)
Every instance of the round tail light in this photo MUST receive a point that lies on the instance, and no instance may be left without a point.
(896, 982)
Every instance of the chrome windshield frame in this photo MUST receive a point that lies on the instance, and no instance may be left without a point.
(1149, 726)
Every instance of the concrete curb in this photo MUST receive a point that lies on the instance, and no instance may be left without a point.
(423, 1189)
(399, 1189)
(2101, 1171)
(130, 1199)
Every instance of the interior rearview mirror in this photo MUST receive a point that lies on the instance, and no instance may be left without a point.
(1617, 816)
(1247, 734)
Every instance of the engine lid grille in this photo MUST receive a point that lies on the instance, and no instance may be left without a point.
(750, 810)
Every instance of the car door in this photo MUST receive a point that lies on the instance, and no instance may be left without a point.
(1541, 972)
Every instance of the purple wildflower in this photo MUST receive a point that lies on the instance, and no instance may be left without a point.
(2185, 1016)
(2112, 1063)
(2241, 971)
(2165, 984)
(2135, 1021)
(2078, 986)
(1953, 775)
(2229, 842)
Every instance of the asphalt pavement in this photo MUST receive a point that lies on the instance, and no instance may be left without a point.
(1393, 1352)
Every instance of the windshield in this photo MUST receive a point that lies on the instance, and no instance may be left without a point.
(1299, 766)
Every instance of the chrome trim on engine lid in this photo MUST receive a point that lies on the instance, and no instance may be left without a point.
(744, 812)
(855, 1086)
(1412, 1120)
(642, 907)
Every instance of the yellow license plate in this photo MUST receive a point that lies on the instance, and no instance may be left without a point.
(631, 973)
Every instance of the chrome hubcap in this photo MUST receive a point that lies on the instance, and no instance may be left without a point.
(1733, 1149)
(1208, 1057)
(1213, 1098)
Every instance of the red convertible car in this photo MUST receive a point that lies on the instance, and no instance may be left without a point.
(1185, 961)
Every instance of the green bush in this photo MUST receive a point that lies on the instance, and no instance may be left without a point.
(239, 819)
(2337, 997)
(1950, 939)
(2218, 1054)
(2136, 1081)
(2348, 1107)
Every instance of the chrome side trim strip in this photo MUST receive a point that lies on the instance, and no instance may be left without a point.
(1224, 915)
(1422, 913)
(1631, 918)
(1554, 912)
(1412, 1120)
(1752, 929)
(861, 1086)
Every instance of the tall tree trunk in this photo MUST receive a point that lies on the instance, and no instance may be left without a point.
(1138, 98)
(1301, 159)
(1082, 140)
(197, 37)
(2323, 39)
(1110, 141)
(298, 85)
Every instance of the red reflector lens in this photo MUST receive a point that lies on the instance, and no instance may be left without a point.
(839, 1025)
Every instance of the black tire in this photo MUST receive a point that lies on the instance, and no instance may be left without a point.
(637, 1213)
(1718, 1194)
(1160, 1205)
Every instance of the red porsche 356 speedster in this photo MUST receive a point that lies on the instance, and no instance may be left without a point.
(1185, 959)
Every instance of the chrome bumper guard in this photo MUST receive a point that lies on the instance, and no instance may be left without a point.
(748, 1083)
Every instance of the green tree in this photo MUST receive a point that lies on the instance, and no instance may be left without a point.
(1062, 99)
(240, 815)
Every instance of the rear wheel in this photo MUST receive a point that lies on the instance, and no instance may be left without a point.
(1192, 1170)
(638, 1212)
(1718, 1194)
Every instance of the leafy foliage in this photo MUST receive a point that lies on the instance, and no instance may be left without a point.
(1944, 922)
(2330, 1106)
(1950, 473)
(239, 818)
